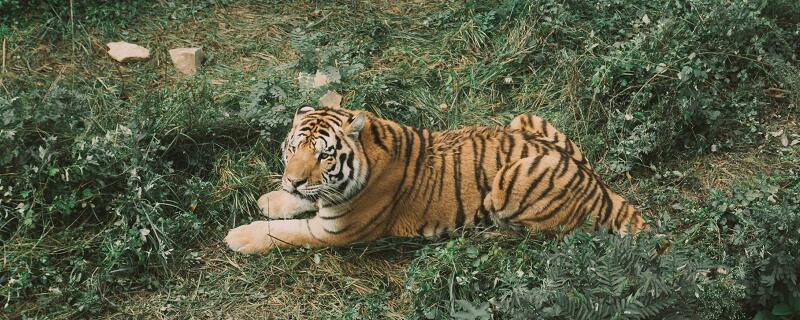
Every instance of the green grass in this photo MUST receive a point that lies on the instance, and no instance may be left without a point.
(118, 181)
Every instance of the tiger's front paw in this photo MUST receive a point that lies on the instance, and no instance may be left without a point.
(250, 238)
(283, 205)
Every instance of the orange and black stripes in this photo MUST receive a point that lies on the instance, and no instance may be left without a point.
(404, 181)
(546, 131)
(572, 194)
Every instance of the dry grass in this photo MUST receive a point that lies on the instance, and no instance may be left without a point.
(295, 284)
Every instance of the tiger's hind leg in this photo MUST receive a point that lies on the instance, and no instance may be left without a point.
(553, 192)
(547, 132)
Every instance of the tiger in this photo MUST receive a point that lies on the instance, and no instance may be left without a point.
(369, 178)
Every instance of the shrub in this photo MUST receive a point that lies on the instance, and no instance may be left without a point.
(585, 276)
(628, 80)
(738, 256)
(760, 227)
(129, 189)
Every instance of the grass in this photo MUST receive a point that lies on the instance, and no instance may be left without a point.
(320, 285)
(678, 118)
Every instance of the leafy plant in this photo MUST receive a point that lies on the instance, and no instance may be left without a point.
(585, 276)
(762, 223)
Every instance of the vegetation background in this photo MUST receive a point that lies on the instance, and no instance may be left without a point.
(118, 181)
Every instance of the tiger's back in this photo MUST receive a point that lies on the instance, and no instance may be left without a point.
(526, 174)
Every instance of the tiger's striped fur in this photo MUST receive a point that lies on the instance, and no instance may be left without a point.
(369, 178)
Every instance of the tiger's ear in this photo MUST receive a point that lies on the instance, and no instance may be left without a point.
(301, 112)
(355, 124)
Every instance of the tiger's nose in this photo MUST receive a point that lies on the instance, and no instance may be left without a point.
(296, 182)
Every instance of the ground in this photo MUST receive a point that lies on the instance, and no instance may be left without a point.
(121, 179)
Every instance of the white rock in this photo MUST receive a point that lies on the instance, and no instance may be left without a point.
(124, 52)
(320, 79)
(331, 99)
(187, 60)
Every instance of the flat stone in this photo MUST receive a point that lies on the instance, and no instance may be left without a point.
(187, 60)
(123, 51)
(319, 79)
(331, 99)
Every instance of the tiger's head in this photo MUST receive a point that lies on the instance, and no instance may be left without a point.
(323, 154)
